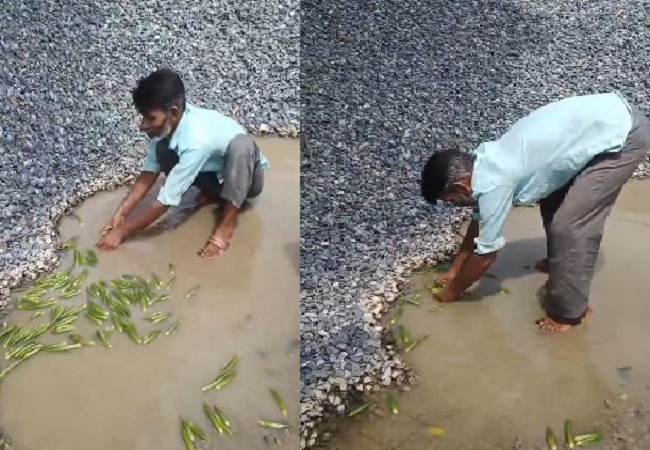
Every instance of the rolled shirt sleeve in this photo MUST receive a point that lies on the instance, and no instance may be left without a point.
(493, 206)
(182, 176)
(151, 162)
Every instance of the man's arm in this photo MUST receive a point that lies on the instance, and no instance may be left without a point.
(474, 268)
(153, 212)
(142, 185)
(466, 248)
(479, 253)
(178, 181)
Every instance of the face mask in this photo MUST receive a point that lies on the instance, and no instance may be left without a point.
(459, 195)
(167, 129)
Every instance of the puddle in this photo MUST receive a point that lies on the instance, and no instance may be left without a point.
(132, 397)
(487, 376)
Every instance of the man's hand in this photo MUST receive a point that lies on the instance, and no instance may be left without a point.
(116, 221)
(111, 240)
(115, 236)
(142, 185)
(474, 268)
(448, 294)
(445, 277)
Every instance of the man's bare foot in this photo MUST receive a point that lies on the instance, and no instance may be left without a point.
(550, 325)
(542, 265)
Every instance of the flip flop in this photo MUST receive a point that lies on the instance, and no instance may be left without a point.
(218, 242)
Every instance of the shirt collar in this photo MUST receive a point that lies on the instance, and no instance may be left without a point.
(173, 142)
(478, 182)
(478, 151)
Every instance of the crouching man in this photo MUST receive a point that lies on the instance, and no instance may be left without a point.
(192, 146)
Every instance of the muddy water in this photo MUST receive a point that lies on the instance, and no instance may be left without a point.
(130, 397)
(488, 377)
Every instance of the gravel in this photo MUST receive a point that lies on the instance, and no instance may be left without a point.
(385, 83)
(67, 124)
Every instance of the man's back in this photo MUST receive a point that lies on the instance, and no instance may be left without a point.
(544, 150)
(202, 131)
(205, 129)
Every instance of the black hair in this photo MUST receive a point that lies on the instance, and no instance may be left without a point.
(161, 89)
(442, 169)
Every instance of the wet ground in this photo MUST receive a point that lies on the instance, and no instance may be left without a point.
(132, 396)
(491, 380)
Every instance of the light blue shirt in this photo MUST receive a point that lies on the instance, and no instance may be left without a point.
(539, 154)
(200, 140)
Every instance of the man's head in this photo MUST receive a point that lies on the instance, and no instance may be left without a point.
(160, 98)
(447, 176)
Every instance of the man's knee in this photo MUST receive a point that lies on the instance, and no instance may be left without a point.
(574, 247)
(562, 232)
(257, 185)
(242, 146)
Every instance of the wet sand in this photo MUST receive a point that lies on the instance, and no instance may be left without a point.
(488, 376)
(131, 397)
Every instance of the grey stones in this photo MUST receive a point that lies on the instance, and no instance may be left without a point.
(68, 132)
(415, 77)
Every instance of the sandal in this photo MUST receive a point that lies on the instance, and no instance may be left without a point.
(220, 243)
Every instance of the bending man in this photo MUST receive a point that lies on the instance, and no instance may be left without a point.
(573, 156)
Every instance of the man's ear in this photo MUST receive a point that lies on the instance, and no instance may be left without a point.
(460, 188)
(175, 113)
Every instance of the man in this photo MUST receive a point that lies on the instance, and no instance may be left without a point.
(193, 147)
(573, 156)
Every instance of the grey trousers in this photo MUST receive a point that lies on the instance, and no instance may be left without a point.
(574, 219)
(243, 176)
